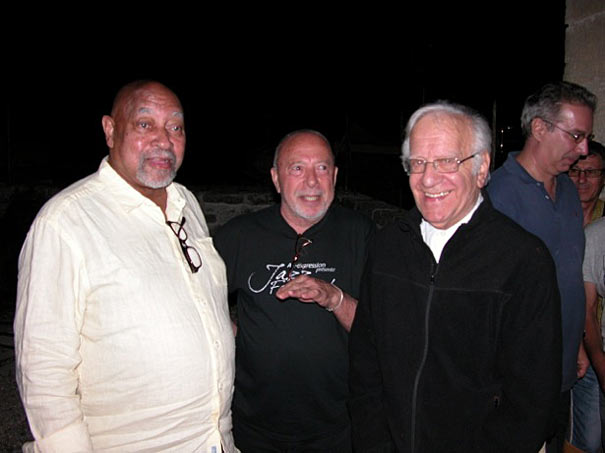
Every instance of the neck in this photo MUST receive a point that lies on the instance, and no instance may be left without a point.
(527, 158)
(298, 224)
(158, 196)
(588, 209)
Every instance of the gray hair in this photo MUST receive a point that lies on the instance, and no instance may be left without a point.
(546, 102)
(284, 140)
(480, 129)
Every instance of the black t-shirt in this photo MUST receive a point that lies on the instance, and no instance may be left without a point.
(291, 357)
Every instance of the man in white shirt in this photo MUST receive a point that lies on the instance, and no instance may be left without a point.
(122, 335)
(456, 342)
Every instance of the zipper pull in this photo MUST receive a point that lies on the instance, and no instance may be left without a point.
(433, 272)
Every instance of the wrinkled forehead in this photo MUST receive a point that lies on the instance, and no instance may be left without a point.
(305, 147)
(441, 133)
(149, 99)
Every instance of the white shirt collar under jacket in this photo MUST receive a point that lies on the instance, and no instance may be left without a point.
(436, 238)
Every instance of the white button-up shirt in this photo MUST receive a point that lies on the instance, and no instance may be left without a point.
(119, 346)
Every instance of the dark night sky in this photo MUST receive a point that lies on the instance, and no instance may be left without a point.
(242, 94)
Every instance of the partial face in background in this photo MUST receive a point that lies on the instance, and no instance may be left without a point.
(588, 187)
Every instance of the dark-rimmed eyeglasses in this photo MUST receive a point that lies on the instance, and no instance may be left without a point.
(301, 243)
(192, 256)
(589, 173)
(445, 165)
(578, 138)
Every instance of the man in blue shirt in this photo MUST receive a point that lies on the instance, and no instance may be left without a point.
(533, 189)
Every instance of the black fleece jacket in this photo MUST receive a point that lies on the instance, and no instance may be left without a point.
(464, 355)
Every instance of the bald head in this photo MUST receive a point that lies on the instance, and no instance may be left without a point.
(127, 95)
(146, 136)
(298, 135)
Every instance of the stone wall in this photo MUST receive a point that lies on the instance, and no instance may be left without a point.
(585, 52)
(19, 205)
(220, 205)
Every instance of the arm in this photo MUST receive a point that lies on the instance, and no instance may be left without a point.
(47, 341)
(226, 246)
(529, 361)
(369, 426)
(583, 361)
(592, 341)
(312, 290)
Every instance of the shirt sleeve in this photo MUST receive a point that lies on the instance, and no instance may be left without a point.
(226, 243)
(48, 319)
(593, 256)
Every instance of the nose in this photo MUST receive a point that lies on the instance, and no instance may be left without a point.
(582, 147)
(162, 138)
(311, 177)
(430, 176)
(581, 176)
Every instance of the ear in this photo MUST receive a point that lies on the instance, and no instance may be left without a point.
(483, 170)
(538, 128)
(108, 128)
(275, 179)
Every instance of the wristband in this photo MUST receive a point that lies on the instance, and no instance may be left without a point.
(342, 296)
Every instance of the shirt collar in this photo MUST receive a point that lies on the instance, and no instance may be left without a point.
(436, 238)
(129, 198)
(514, 167)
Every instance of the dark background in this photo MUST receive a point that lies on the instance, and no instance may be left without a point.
(243, 90)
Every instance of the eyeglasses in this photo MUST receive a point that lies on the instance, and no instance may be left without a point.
(445, 165)
(301, 243)
(578, 138)
(589, 173)
(192, 256)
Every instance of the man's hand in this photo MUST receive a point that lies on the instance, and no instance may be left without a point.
(310, 290)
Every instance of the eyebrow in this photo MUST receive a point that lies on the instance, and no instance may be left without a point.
(149, 110)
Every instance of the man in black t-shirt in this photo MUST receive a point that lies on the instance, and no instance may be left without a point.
(295, 269)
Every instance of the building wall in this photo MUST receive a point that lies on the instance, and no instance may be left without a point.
(20, 204)
(585, 52)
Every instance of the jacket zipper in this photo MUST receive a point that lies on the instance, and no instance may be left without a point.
(434, 267)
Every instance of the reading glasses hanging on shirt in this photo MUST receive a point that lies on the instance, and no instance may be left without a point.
(301, 243)
(192, 256)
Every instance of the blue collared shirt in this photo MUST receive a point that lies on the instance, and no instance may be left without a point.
(514, 192)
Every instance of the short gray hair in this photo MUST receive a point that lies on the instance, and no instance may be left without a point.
(546, 102)
(480, 129)
(287, 137)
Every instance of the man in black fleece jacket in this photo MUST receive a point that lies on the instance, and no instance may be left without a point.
(456, 345)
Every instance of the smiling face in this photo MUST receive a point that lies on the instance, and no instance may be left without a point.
(146, 137)
(305, 177)
(588, 188)
(443, 199)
